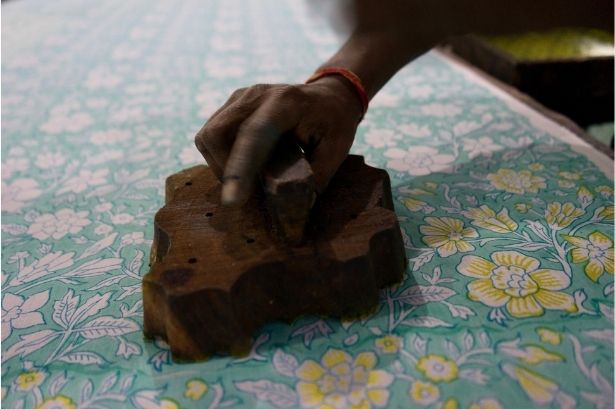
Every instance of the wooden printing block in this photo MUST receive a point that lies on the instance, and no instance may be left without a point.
(219, 273)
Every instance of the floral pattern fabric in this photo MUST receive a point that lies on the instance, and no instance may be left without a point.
(507, 220)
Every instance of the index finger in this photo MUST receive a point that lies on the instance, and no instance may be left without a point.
(255, 141)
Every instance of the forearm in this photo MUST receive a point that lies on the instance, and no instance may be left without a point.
(376, 56)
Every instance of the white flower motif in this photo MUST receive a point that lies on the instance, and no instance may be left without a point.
(111, 136)
(418, 160)
(18, 312)
(416, 131)
(59, 224)
(384, 99)
(122, 218)
(12, 165)
(78, 184)
(440, 110)
(67, 122)
(190, 155)
(103, 207)
(49, 160)
(132, 238)
(103, 229)
(379, 138)
(15, 195)
(420, 91)
(480, 146)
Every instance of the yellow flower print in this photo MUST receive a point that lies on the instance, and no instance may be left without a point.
(57, 402)
(535, 166)
(414, 205)
(424, 393)
(565, 184)
(437, 368)
(195, 389)
(607, 213)
(533, 354)
(605, 190)
(450, 403)
(514, 280)
(431, 185)
(389, 344)
(538, 388)
(486, 403)
(340, 381)
(598, 251)
(28, 380)
(549, 336)
(570, 175)
(167, 403)
(516, 182)
(523, 207)
(447, 235)
(486, 218)
(560, 215)
(584, 195)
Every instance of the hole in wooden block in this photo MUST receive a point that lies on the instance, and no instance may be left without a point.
(353, 216)
(249, 240)
(192, 260)
(188, 183)
(209, 214)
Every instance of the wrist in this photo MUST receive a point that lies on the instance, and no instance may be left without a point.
(343, 89)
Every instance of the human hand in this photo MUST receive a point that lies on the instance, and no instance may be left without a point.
(239, 137)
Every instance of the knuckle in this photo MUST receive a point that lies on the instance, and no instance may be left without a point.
(291, 92)
(258, 89)
(238, 93)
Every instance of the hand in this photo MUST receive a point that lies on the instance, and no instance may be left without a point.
(238, 139)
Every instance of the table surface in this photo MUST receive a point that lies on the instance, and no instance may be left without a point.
(507, 220)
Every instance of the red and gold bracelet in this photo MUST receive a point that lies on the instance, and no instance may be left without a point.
(350, 76)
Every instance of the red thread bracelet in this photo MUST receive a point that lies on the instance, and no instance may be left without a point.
(350, 76)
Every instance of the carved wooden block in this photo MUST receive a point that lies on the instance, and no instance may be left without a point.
(218, 273)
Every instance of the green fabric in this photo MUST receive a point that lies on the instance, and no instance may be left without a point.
(508, 298)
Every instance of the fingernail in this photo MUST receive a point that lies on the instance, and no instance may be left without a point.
(230, 192)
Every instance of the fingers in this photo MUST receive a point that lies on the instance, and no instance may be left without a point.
(215, 139)
(327, 156)
(256, 139)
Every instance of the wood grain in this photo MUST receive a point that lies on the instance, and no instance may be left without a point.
(219, 273)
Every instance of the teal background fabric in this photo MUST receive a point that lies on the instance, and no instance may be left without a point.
(507, 220)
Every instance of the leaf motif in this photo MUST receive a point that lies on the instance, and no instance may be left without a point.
(351, 340)
(375, 331)
(422, 259)
(419, 294)
(309, 331)
(452, 349)
(91, 307)
(86, 391)
(484, 339)
(608, 289)
(30, 343)
(108, 383)
(107, 326)
(14, 229)
(64, 309)
(107, 282)
(279, 395)
(95, 267)
(82, 358)
(126, 383)
(136, 262)
(419, 345)
(538, 229)
(56, 385)
(98, 246)
(146, 399)
(475, 375)
(529, 246)
(284, 363)
(426, 321)
(460, 311)
(128, 291)
(127, 349)
(601, 334)
(468, 341)
(606, 311)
